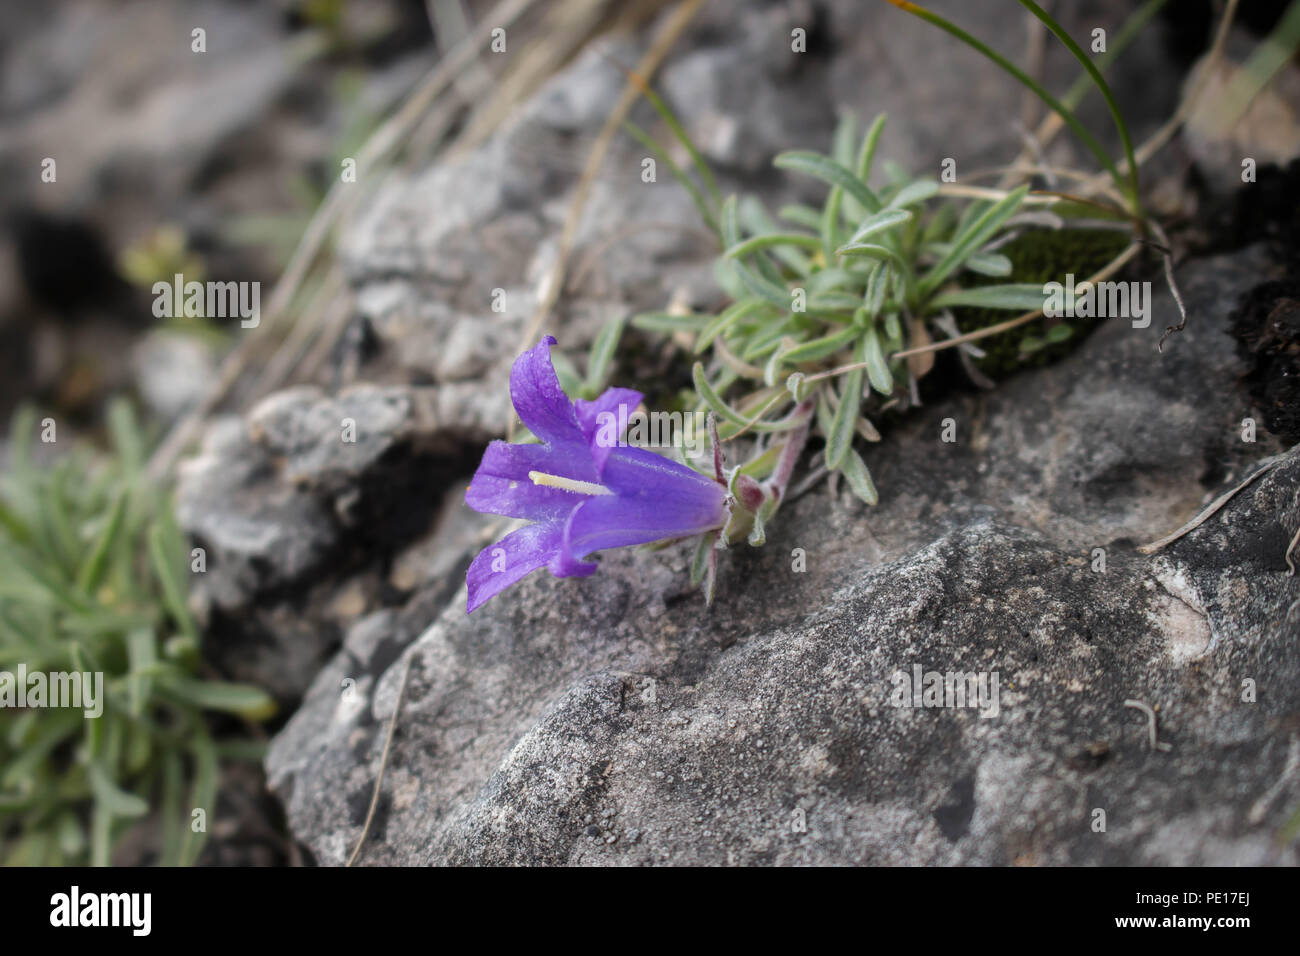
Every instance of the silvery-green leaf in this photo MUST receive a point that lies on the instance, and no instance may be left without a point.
(1059, 333)
(854, 470)
(1020, 297)
(844, 424)
(877, 286)
(917, 191)
(700, 562)
(602, 354)
(822, 347)
(880, 222)
(829, 171)
(801, 215)
(724, 321)
(975, 235)
(877, 365)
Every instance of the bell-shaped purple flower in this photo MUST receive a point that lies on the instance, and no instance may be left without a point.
(582, 492)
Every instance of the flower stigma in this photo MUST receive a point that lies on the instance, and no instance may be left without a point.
(568, 484)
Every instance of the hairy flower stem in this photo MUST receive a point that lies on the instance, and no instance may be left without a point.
(716, 447)
(780, 478)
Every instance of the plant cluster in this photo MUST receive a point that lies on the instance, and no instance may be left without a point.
(93, 580)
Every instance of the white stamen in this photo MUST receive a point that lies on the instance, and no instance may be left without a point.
(568, 484)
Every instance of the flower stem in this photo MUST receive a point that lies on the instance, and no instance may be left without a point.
(780, 479)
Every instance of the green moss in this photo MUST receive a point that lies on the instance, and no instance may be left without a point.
(1039, 256)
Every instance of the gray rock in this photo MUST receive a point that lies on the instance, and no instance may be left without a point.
(744, 94)
(173, 371)
(296, 509)
(449, 263)
(612, 720)
(70, 77)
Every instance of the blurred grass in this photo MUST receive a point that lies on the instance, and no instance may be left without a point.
(94, 575)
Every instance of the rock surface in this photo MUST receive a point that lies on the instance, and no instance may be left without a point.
(613, 720)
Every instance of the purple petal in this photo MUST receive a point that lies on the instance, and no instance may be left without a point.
(631, 470)
(664, 504)
(514, 556)
(538, 399)
(602, 432)
(501, 485)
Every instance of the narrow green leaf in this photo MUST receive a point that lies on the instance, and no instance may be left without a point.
(754, 217)
(828, 280)
(1018, 296)
(843, 426)
(729, 222)
(763, 288)
(833, 302)
(854, 469)
(670, 119)
(127, 440)
(602, 354)
(914, 192)
(171, 815)
(1102, 86)
(870, 250)
(939, 225)
(976, 234)
(173, 590)
(1116, 43)
(868, 152)
(713, 399)
(661, 156)
(244, 700)
(758, 243)
(829, 171)
(142, 654)
(801, 215)
(877, 286)
(101, 835)
(92, 570)
(880, 222)
(1059, 333)
(989, 264)
(203, 795)
(877, 365)
(843, 139)
(724, 322)
(822, 347)
(772, 370)
(700, 561)
(764, 464)
(115, 801)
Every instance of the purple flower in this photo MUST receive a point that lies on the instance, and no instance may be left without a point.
(582, 492)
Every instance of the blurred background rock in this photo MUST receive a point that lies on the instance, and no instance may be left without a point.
(169, 160)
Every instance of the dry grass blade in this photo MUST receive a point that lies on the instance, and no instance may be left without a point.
(383, 764)
(1208, 512)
